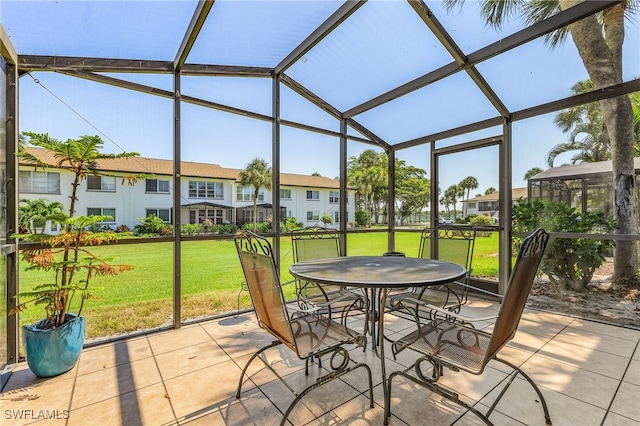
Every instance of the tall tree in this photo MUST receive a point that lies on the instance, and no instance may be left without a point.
(257, 174)
(452, 194)
(412, 190)
(368, 173)
(586, 128)
(81, 156)
(490, 190)
(599, 39)
(466, 185)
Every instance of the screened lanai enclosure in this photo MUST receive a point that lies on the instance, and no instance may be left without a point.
(312, 88)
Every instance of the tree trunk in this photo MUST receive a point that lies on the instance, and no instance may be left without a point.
(602, 59)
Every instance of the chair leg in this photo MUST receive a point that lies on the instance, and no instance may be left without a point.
(533, 384)
(254, 356)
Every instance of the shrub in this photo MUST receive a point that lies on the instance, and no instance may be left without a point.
(151, 225)
(362, 218)
(567, 262)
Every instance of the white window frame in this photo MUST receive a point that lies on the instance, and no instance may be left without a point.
(285, 194)
(245, 193)
(157, 213)
(107, 183)
(313, 215)
(103, 212)
(334, 197)
(313, 195)
(206, 189)
(161, 186)
(51, 180)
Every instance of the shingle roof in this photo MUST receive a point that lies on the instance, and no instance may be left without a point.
(515, 194)
(189, 169)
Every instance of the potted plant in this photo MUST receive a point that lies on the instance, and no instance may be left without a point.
(53, 344)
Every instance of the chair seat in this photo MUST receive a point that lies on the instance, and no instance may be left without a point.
(449, 344)
(314, 333)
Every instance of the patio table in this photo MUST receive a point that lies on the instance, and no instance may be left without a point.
(377, 275)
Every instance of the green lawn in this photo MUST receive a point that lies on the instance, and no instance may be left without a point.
(211, 277)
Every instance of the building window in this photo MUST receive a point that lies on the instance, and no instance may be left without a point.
(245, 193)
(101, 183)
(164, 214)
(336, 217)
(334, 197)
(313, 215)
(313, 195)
(202, 189)
(472, 206)
(39, 182)
(100, 211)
(157, 186)
(285, 194)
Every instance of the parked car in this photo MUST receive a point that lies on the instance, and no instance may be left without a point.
(444, 221)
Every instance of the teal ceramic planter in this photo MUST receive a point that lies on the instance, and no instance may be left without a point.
(51, 352)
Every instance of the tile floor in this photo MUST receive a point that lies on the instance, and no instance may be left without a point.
(589, 374)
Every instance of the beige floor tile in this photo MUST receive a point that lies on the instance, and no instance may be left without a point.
(610, 343)
(614, 419)
(189, 359)
(206, 389)
(604, 363)
(111, 382)
(522, 403)
(626, 401)
(109, 355)
(45, 401)
(571, 380)
(253, 409)
(588, 327)
(632, 375)
(145, 406)
(167, 341)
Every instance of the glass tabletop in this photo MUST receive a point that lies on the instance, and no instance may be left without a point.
(377, 271)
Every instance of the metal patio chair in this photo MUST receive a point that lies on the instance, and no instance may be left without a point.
(316, 243)
(308, 333)
(441, 342)
(454, 244)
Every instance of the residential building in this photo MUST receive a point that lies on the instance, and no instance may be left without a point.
(488, 205)
(207, 191)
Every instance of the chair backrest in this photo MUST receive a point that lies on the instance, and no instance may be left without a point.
(518, 289)
(315, 243)
(258, 265)
(454, 244)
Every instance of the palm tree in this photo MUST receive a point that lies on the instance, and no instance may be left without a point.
(599, 40)
(585, 121)
(369, 175)
(452, 194)
(531, 173)
(466, 185)
(490, 190)
(34, 214)
(257, 174)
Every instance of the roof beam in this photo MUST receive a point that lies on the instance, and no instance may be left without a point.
(532, 32)
(458, 55)
(27, 63)
(197, 21)
(581, 99)
(99, 78)
(339, 16)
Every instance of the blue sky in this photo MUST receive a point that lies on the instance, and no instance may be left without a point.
(385, 49)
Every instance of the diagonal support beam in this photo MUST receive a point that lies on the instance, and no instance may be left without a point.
(197, 21)
(539, 29)
(338, 17)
